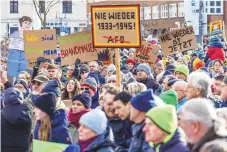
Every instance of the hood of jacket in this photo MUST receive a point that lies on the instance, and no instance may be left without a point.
(59, 118)
(17, 115)
(102, 141)
(173, 143)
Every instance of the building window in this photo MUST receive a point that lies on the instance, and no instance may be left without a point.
(67, 6)
(14, 6)
(41, 6)
(214, 7)
(155, 12)
(58, 31)
(164, 11)
(172, 10)
(147, 13)
(180, 9)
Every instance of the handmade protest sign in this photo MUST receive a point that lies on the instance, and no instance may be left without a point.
(40, 43)
(77, 45)
(216, 28)
(43, 146)
(147, 53)
(178, 40)
(115, 26)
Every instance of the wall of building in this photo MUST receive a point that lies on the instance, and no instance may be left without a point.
(74, 20)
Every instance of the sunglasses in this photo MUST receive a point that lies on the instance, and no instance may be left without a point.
(82, 89)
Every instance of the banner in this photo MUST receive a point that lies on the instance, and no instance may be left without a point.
(40, 43)
(147, 53)
(43, 146)
(216, 27)
(178, 41)
(116, 26)
(77, 45)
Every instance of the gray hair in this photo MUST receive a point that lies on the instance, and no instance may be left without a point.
(201, 110)
(135, 87)
(200, 80)
(181, 84)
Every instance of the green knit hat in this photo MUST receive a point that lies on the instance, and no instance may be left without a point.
(183, 69)
(165, 117)
(169, 97)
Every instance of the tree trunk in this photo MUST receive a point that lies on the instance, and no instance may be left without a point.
(44, 21)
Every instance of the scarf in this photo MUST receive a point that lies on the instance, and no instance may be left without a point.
(84, 144)
(75, 117)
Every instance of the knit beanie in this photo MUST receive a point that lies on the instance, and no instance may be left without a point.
(84, 98)
(52, 86)
(183, 69)
(184, 60)
(22, 82)
(170, 67)
(112, 78)
(144, 101)
(95, 120)
(165, 117)
(46, 103)
(84, 68)
(90, 83)
(131, 61)
(111, 67)
(197, 63)
(167, 73)
(144, 67)
(13, 96)
(94, 75)
(169, 97)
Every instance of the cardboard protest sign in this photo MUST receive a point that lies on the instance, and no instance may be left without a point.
(147, 53)
(77, 45)
(178, 40)
(216, 27)
(116, 26)
(43, 146)
(40, 43)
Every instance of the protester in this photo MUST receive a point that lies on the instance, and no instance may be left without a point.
(72, 88)
(180, 87)
(144, 76)
(217, 85)
(182, 72)
(69, 74)
(122, 110)
(22, 85)
(25, 75)
(169, 97)
(165, 81)
(135, 88)
(161, 130)
(131, 64)
(16, 122)
(200, 123)
(81, 104)
(94, 134)
(218, 68)
(52, 71)
(140, 104)
(51, 124)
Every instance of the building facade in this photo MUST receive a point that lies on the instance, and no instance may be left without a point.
(70, 13)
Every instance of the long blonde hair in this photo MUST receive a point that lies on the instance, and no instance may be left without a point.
(45, 129)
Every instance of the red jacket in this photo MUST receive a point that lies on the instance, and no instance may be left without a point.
(216, 53)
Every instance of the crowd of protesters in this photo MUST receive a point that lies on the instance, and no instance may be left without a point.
(179, 104)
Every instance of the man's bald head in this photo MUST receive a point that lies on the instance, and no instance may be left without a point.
(180, 87)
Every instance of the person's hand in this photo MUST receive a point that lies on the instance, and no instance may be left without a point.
(4, 77)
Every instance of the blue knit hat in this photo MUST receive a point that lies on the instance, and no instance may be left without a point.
(52, 86)
(95, 120)
(47, 103)
(84, 98)
(144, 67)
(13, 96)
(170, 67)
(167, 72)
(144, 101)
(22, 82)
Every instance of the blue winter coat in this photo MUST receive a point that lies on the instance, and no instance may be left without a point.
(180, 105)
(122, 131)
(175, 144)
(220, 104)
(59, 128)
(138, 143)
(103, 143)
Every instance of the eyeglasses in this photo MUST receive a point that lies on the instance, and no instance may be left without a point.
(36, 83)
(82, 89)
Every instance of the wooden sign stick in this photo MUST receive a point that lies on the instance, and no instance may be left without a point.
(117, 63)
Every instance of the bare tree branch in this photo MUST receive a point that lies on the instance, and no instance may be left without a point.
(48, 9)
(36, 9)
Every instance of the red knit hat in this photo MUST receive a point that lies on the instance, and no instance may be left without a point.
(131, 61)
